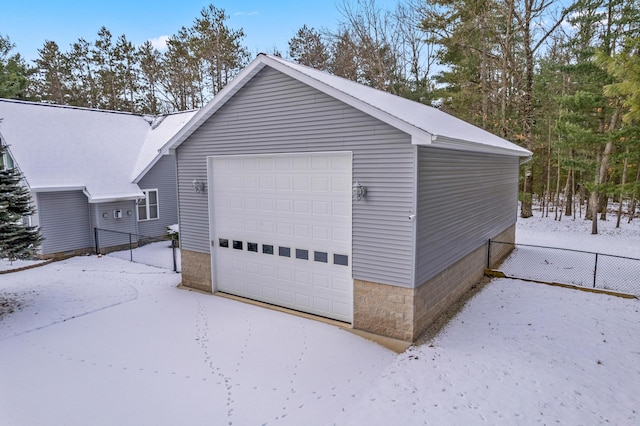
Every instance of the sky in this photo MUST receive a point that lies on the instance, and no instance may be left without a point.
(267, 24)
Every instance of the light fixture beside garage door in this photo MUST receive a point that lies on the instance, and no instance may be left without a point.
(198, 186)
(359, 191)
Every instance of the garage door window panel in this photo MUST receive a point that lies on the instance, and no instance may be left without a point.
(284, 251)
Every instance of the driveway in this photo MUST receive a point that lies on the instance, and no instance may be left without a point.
(103, 341)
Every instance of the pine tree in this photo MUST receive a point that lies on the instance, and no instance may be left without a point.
(52, 76)
(14, 72)
(308, 48)
(17, 239)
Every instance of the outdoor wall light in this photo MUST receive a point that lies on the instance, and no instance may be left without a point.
(359, 191)
(198, 186)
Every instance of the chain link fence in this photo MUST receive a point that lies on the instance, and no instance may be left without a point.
(565, 266)
(154, 251)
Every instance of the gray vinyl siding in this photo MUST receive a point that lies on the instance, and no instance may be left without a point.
(111, 231)
(464, 198)
(162, 177)
(64, 221)
(274, 113)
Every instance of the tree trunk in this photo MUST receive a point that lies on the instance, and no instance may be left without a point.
(548, 195)
(484, 73)
(527, 195)
(506, 70)
(632, 207)
(573, 191)
(592, 208)
(568, 193)
(603, 203)
(557, 189)
(604, 167)
(583, 195)
(532, 10)
(622, 184)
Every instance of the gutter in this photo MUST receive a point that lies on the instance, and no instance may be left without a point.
(525, 160)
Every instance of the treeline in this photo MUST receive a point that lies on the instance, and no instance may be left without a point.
(111, 73)
(377, 48)
(562, 80)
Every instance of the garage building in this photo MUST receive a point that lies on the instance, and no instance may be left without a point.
(312, 192)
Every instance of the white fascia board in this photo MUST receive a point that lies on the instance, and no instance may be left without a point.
(57, 188)
(462, 145)
(161, 153)
(153, 162)
(113, 199)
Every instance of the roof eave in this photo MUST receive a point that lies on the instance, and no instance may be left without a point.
(56, 188)
(111, 199)
(153, 162)
(463, 145)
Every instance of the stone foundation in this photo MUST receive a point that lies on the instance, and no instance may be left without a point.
(66, 254)
(383, 309)
(433, 297)
(500, 251)
(404, 313)
(196, 270)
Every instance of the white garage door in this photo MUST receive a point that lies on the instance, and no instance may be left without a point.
(281, 230)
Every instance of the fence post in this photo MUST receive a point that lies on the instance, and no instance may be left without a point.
(595, 271)
(173, 251)
(95, 234)
(130, 249)
(489, 254)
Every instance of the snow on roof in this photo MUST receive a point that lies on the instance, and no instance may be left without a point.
(426, 125)
(66, 148)
(162, 129)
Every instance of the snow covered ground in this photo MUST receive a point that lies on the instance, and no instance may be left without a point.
(103, 341)
(518, 354)
(576, 234)
(157, 254)
(106, 341)
(6, 264)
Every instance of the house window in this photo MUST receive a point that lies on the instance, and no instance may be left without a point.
(148, 206)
